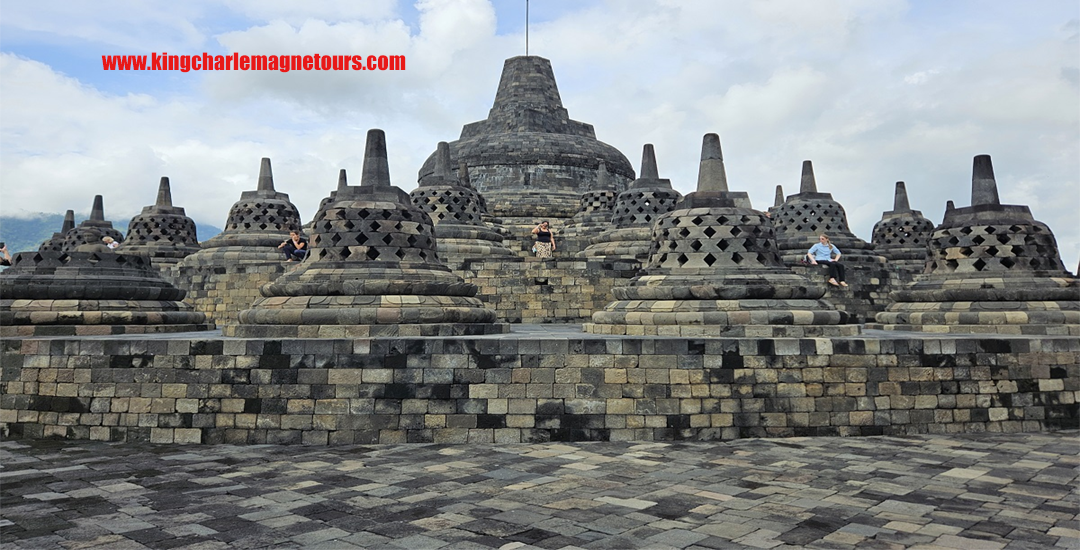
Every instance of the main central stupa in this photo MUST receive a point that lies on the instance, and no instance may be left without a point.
(528, 159)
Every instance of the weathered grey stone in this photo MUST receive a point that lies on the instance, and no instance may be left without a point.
(803, 217)
(56, 242)
(991, 268)
(162, 231)
(373, 270)
(902, 234)
(714, 270)
(88, 235)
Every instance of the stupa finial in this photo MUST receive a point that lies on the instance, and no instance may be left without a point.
(69, 222)
(266, 176)
(648, 163)
(376, 167)
(983, 185)
(900, 200)
(342, 180)
(779, 199)
(808, 184)
(164, 193)
(442, 160)
(97, 213)
(603, 178)
(711, 173)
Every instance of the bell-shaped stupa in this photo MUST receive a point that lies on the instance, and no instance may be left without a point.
(257, 223)
(224, 277)
(457, 212)
(56, 242)
(715, 271)
(806, 215)
(373, 270)
(86, 288)
(597, 205)
(991, 269)
(902, 233)
(161, 231)
(528, 159)
(88, 235)
(634, 213)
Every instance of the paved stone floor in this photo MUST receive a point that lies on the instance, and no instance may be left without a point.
(935, 491)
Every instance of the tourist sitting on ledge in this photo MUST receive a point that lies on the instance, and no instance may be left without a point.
(826, 254)
(295, 248)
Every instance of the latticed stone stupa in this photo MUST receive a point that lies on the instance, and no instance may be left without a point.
(597, 205)
(88, 235)
(991, 269)
(804, 216)
(902, 233)
(162, 231)
(456, 211)
(634, 213)
(528, 159)
(88, 289)
(715, 271)
(373, 270)
(224, 277)
(56, 242)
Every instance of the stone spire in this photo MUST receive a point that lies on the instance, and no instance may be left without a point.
(648, 164)
(266, 176)
(808, 183)
(902, 233)
(376, 166)
(983, 185)
(90, 232)
(714, 270)
(990, 268)
(342, 179)
(56, 242)
(372, 271)
(162, 231)
(711, 174)
(779, 198)
(164, 193)
(900, 199)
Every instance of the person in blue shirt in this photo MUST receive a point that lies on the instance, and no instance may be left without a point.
(825, 253)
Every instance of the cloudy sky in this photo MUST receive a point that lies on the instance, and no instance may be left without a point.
(872, 91)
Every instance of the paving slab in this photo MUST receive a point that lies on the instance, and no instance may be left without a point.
(983, 490)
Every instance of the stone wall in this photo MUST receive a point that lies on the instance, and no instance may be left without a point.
(543, 291)
(521, 389)
(223, 292)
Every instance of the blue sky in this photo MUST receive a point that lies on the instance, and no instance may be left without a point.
(872, 91)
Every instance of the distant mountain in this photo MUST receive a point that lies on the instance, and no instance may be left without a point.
(27, 234)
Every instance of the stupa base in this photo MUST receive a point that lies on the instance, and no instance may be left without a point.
(1033, 330)
(726, 331)
(364, 331)
(26, 331)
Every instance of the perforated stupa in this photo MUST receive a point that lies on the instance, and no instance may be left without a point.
(373, 270)
(804, 216)
(162, 231)
(634, 213)
(992, 268)
(715, 271)
(902, 234)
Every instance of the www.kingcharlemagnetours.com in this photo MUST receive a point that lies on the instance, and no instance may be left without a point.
(237, 62)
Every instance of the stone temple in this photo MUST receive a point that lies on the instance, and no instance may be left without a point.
(902, 234)
(528, 159)
(711, 333)
(162, 231)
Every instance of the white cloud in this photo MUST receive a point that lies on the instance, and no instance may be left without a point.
(872, 92)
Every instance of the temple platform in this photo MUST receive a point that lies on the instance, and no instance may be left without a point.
(536, 383)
